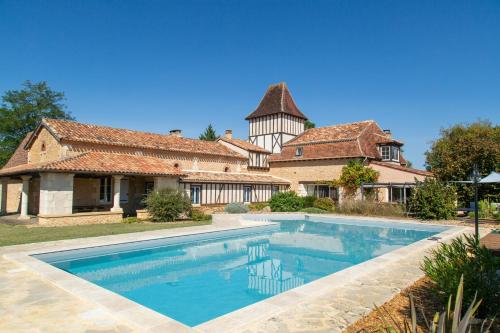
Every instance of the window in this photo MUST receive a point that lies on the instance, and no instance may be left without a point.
(148, 187)
(257, 159)
(395, 153)
(299, 151)
(247, 194)
(176, 165)
(385, 152)
(44, 147)
(196, 195)
(275, 189)
(105, 189)
(227, 169)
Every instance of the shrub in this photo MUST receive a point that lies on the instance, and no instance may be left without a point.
(373, 208)
(198, 215)
(166, 205)
(433, 200)
(353, 175)
(236, 208)
(257, 207)
(286, 202)
(314, 210)
(324, 203)
(308, 201)
(465, 256)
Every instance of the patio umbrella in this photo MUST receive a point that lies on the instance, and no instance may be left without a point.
(493, 177)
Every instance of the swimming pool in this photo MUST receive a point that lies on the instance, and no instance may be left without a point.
(193, 279)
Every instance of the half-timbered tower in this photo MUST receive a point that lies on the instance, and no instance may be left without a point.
(276, 120)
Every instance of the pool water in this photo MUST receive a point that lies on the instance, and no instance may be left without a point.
(200, 280)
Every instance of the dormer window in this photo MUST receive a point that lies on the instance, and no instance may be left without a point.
(299, 152)
(389, 153)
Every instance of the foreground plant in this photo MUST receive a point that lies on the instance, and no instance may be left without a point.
(449, 321)
(465, 256)
(167, 205)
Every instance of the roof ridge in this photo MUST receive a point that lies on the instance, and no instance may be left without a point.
(319, 141)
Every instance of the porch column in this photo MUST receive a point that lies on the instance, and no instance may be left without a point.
(24, 198)
(3, 195)
(116, 194)
(56, 193)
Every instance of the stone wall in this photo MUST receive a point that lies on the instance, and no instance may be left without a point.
(56, 193)
(14, 188)
(80, 218)
(390, 175)
(45, 148)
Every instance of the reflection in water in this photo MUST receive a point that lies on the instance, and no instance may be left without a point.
(199, 281)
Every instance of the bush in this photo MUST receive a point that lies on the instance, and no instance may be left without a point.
(433, 200)
(286, 202)
(236, 208)
(372, 208)
(198, 215)
(257, 207)
(324, 203)
(314, 210)
(308, 201)
(466, 256)
(167, 205)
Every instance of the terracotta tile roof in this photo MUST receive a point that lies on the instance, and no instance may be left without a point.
(101, 163)
(226, 177)
(245, 145)
(277, 99)
(77, 132)
(20, 156)
(403, 168)
(360, 139)
(343, 132)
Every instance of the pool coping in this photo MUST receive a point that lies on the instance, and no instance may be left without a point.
(147, 320)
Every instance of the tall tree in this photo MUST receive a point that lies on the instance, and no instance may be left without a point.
(209, 134)
(22, 110)
(309, 124)
(453, 155)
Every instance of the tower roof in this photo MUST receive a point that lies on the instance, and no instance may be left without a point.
(277, 100)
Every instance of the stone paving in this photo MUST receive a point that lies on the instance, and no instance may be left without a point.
(30, 303)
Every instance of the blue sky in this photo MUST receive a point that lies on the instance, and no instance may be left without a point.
(413, 66)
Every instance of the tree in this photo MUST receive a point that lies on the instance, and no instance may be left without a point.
(353, 175)
(309, 124)
(21, 112)
(453, 155)
(209, 134)
(433, 200)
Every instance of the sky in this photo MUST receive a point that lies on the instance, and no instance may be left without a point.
(413, 66)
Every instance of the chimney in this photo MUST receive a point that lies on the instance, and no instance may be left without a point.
(388, 132)
(229, 134)
(176, 132)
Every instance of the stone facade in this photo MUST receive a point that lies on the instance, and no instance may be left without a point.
(56, 193)
(80, 218)
(45, 148)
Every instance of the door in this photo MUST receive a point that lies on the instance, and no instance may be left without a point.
(195, 194)
(247, 194)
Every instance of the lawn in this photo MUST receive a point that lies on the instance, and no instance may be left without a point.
(12, 235)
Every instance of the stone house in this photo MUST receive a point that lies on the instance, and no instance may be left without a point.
(69, 172)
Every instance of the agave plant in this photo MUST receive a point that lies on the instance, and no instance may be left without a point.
(448, 321)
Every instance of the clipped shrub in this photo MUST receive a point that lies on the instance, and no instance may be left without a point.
(465, 256)
(198, 215)
(433, 200)
(166, 205)
(236, 208)
(314, 210)
(324, 203)
(257, 207)
(372, 208)
(308, 201)
(286, 202)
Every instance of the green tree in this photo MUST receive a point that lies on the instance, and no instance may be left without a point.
(452, 156)
(309, 124)
(353, 175)
(22, 110)
(433, 200)
(209, 134)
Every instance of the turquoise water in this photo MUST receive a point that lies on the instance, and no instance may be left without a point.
(200, 280)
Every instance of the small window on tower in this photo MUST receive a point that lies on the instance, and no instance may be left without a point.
(299, 151)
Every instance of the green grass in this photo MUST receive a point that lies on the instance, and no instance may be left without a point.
(12, 235)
